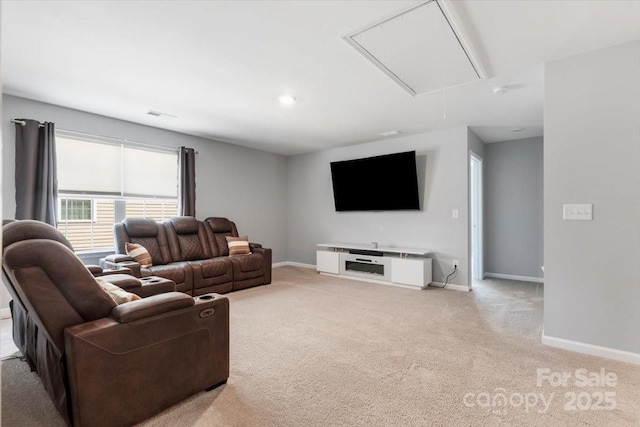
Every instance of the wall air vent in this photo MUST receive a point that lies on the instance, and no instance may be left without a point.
(423, 49)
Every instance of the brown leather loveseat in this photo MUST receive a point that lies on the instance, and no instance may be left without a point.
(194, 254)
(105, 364)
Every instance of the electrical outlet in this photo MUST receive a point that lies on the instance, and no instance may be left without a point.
(456, 263)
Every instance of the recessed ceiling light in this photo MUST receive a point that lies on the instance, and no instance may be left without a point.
(499, 90)
(159, 114)
(390, 133)
(287, 99)
(517, 129)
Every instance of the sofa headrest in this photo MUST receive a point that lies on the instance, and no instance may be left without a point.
(140, 227)
(219, 225)
(64, 271)
(185, 224)
(28, 229)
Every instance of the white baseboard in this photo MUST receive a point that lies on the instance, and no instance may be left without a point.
(514, 277)
(293, 264)
(593, 350)
(5, 313)
(451, 286)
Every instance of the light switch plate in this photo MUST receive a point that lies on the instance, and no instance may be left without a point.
(454, 213)
(577, 212)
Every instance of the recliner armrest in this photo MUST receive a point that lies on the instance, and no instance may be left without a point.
(133, 365)
(254, 245)
(123, 281)
(96, 270)
(117, 258)
(119, 270)
(99, 271)
(118, 261)
(151, 306)
(267, 254)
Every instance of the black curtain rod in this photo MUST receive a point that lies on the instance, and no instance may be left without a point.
(23, 123)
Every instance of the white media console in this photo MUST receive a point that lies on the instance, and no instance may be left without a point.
(404, 267)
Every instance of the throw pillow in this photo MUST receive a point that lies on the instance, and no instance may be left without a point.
(139, 254)
(238, 245)
(118, 295)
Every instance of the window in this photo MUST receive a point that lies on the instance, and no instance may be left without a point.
(102, 181)
(95, 234)
(159, 210)
(75, 209)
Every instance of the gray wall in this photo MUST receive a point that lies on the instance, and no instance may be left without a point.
(442, 171)
(513, 207)
(247, 186)
(592, 155)
(475, 144)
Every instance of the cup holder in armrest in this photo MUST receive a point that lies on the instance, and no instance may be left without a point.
(206, 297)
(150, 280)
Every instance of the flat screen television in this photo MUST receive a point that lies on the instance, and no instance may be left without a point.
(380, 183)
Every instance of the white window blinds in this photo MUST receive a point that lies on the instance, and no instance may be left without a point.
(105, 168)
(149, 173)
(88, 167)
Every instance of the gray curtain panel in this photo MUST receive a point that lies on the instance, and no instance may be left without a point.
(36, 175)
(187, 181)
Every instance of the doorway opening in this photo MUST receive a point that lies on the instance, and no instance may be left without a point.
(475, 186)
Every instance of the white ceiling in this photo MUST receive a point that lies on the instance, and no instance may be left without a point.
(221, 65)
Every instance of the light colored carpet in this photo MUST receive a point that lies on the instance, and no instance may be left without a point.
(314, 350)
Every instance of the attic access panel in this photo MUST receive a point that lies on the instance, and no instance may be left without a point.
(423, 49)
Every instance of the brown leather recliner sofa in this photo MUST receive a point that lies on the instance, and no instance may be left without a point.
(25, 331)
(105, 364)
(194, 254)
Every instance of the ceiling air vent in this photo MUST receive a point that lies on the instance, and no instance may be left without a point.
(159, 114)
(423, 49)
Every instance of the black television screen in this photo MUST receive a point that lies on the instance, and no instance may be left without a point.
(380, 183)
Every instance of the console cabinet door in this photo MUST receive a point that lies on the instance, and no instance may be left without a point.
(415, 272)
(328, 262)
